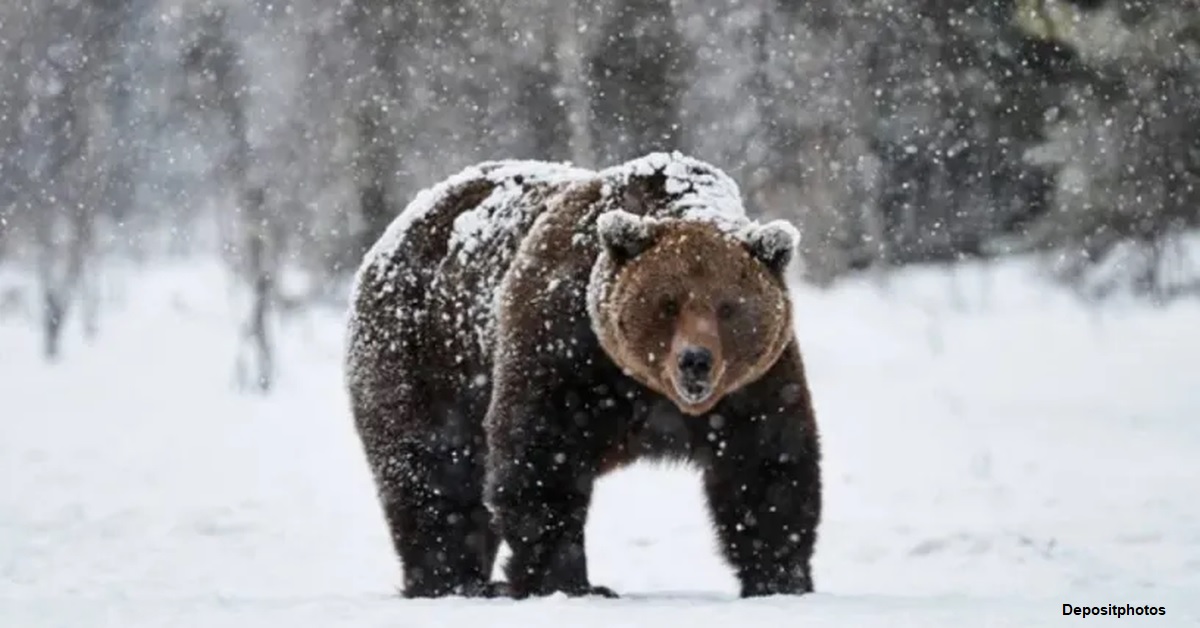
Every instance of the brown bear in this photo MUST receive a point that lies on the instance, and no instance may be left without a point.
(524, 327)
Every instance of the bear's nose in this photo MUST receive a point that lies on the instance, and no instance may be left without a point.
(695, 363)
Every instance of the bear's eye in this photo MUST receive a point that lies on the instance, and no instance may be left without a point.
(726, 310)
(670, 307)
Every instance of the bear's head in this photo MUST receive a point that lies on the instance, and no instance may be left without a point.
(691, 311)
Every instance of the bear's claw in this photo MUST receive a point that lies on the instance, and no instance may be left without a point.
(602, 592)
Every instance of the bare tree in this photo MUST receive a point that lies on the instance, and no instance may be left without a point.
(69, 166)
(572, 88)
(636, 71)
(377, 28)
(215, 68)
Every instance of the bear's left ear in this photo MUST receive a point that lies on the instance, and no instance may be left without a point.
(774, 244)
(625, 235)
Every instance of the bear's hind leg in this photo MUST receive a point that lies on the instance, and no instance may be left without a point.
(540, 485)
(432, 498)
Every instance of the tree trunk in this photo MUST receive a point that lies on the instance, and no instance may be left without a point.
(571, 75)
(374, 171)
(260, 277)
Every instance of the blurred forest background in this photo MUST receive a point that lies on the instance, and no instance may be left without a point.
(286, 134)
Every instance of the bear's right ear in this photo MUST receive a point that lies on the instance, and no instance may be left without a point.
(625, 235)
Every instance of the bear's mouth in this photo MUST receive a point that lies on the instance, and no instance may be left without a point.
(693, 393)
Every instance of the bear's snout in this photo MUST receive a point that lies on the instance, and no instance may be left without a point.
(696, 367)
(695, 372)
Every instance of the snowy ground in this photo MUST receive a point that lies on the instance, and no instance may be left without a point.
(992, 452)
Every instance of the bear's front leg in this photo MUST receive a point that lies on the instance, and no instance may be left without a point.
(766, 513)
(763, 482)
(541, 469)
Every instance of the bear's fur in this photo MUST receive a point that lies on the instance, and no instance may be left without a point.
(524, 327)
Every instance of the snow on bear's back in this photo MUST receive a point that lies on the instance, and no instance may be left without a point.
(505, 215)
(697, 190)
(507, 175)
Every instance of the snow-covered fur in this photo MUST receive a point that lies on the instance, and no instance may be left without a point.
(520, 329)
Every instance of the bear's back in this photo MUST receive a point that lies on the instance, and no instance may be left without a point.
(428, 282)
(465, 215)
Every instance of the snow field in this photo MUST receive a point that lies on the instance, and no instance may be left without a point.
(993, 450)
